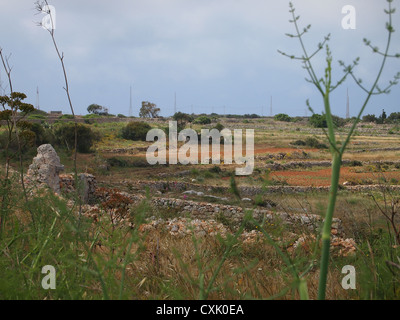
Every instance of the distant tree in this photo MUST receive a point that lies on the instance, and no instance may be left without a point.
(11, 105)
(181, 119)
(318, 121)
(149, 110)
(338, 121)
(394, 117)
(382, 117)
(136, 131)
(65, 136)
(251, 116)
(219, 126)
(202, 120)
(282, 117)
(97, 109)
(370, 118)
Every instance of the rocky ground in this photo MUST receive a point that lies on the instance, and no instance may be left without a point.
(199, 218)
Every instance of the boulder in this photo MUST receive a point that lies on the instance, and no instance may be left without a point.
(46, 167)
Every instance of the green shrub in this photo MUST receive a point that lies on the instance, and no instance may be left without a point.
(219, 127)
(318, 121)
(355, 163)
(370, 118)
(136, 131)
(202, 120)
(314, 143)
(282, 117)
(299, 143)
(128, 163)
(394, 117)
(117, 162)
(338, 121)
(26, 137)
(215, 169)
(65, 136)
(42, 135)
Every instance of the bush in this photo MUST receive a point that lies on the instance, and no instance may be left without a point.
(136, 131)
(355, 163)
(118, 162)
(215, 169)
(338, 121)
(394, 117)
(42, 135)
(318, 121)
(219, 127)
(26, 137)
(251, 116)
(65, 137)
(124, 163)
(299, 143)
(282, 117)
(202, 120)
(370, 118)
(314, 143)
(310, 142)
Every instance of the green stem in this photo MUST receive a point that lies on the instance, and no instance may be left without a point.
(326, 232)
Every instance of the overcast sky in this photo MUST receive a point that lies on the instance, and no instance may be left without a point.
(217, 55)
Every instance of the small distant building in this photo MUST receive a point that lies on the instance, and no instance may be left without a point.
(56, 113)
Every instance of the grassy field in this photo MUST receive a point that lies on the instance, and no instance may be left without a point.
(126, 248)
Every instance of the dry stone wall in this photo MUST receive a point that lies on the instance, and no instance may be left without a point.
(166, 186)
(88, 186)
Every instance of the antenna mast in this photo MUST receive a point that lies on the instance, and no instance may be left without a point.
(271, 107)
(37, 98)
(175, 104)
(130, 102)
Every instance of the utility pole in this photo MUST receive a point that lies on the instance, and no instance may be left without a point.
(271, 108)
(175, 104)
(130, 102)
(348, 105)
(37, 98)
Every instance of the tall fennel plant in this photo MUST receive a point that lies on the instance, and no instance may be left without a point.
(43, 6)
(325, 87)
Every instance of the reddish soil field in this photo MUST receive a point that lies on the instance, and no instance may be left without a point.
(278, 150)
(322, 177)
